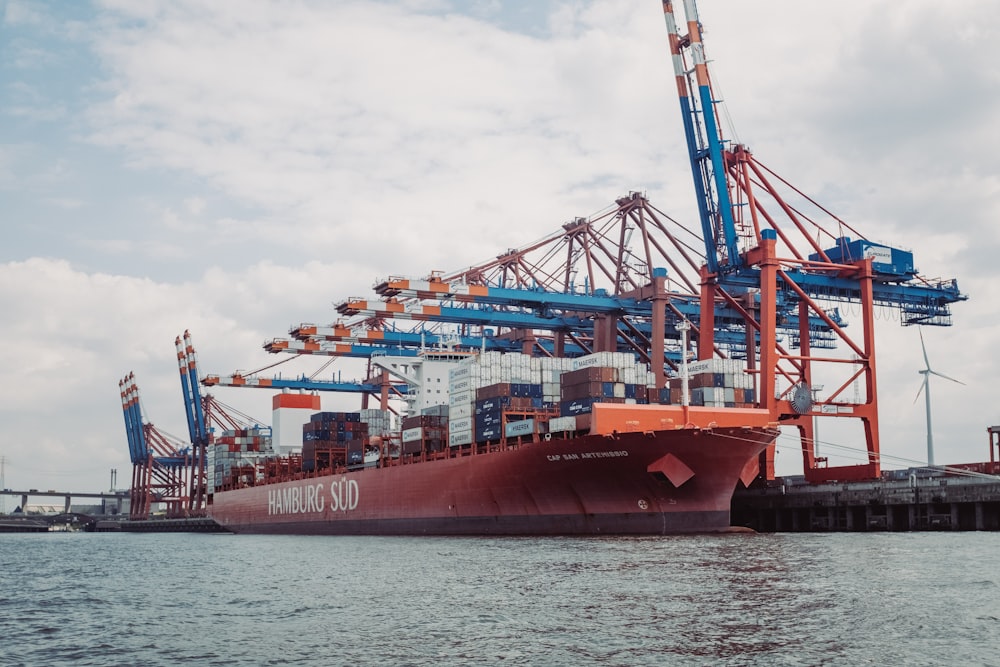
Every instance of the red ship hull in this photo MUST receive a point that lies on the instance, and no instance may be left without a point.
(624, 480)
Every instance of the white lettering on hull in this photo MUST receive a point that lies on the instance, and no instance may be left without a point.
(343, 495)
(310, 499)
(575, 456)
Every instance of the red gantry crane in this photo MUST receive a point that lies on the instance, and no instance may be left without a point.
(768, 246)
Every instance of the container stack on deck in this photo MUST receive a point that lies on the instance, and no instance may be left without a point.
(515, 395)
(718, 383)
(332, 439)
(426, 432)
(233, 451)
(492, 397)
(463, 380)
(603, 377)
(380, 422)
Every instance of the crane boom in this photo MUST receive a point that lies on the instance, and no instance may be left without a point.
(704, 140)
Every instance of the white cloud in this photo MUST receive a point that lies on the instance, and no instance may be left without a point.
(331, 116)
(23, 13)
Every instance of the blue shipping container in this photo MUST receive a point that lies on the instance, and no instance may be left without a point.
(885, 260)
(491, 404)
(580, 406)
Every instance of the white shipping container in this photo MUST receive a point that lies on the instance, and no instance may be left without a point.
(464, 397)
(413, 434)
(460, 385)
(622, 359)
(587, 361)
(560, 424)
(459, 411)
(488, 358)
(459, 438)
(463, 424)
(696, 367)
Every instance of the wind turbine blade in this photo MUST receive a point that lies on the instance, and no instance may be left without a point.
(920, 391)
(942, 375)
(927, 363)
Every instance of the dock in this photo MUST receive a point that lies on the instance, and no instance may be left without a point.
(19, 525)
(188, 525)
(932, 502)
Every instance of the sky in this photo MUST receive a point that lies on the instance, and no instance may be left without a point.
(236, 168)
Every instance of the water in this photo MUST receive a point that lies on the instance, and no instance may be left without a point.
(793, 599)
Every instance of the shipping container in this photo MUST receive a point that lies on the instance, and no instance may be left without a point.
(458, 438)
(562, 424)
(489, 432)
(584, 405)
(463, 424)
(520, 428)
(886, 261)
(585, 375)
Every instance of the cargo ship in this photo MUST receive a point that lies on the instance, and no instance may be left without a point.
(500, 459)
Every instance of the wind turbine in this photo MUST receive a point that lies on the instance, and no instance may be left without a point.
(925, 387)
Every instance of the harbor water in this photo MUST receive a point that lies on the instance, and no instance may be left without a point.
(742, 599)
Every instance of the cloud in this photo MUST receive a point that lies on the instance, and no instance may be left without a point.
(334, 118)
(23, 13)
(82, 332)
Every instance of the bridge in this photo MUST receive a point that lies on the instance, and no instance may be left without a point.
(117, 496)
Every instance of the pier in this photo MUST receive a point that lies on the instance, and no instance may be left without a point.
(932, 502)
(111, 519)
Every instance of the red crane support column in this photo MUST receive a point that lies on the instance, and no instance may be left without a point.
(765, 257)
(807, 430)
(869, 411)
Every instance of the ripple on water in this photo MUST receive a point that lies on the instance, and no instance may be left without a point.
(106, 599)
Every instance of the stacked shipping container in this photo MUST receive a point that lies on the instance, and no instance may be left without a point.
(463, 380)
(602, 377)
(332, 439)
(718, 383)
(380, 422)
(427, 432)
(496, 395)
(514, 388)
(232, 450)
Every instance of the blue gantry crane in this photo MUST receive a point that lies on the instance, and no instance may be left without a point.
(161, 464)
